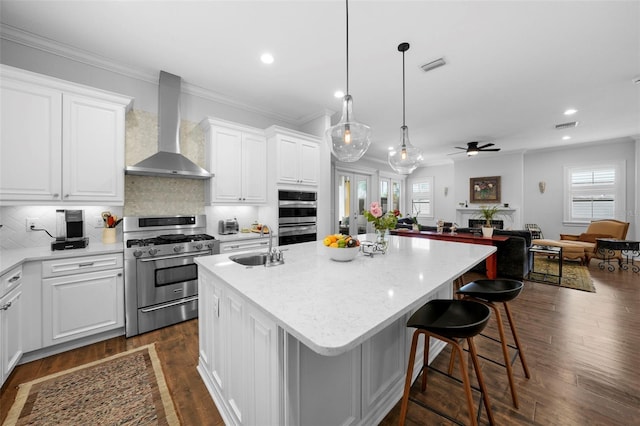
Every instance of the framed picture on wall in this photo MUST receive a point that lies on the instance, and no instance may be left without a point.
(484, 190)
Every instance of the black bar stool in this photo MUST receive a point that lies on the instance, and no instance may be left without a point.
(449, 320)
(490, 293)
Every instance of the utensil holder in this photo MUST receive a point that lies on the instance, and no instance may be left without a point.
(108, 235)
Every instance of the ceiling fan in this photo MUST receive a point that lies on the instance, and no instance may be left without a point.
(473, 148)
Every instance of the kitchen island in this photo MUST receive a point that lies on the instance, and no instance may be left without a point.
(316, 341)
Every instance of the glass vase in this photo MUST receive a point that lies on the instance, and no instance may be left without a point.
(381, 241)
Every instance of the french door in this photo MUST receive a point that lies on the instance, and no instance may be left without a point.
(352, 198)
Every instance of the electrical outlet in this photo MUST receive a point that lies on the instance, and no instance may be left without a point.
(32, 222)
(98, 222)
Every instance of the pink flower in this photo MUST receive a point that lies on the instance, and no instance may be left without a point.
(376, 211)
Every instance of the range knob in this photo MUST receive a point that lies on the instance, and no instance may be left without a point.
(177, 249)
(137, 253)
(198, 246)
(153, 251)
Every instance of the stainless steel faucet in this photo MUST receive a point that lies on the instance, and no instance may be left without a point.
(274, 256)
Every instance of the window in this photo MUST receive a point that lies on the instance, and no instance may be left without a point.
(422, 198)
(594, 192)
(390, 194)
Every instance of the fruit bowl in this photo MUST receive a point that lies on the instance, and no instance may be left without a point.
(343, 254)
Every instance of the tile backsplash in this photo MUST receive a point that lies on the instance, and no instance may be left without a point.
(150, 195)
(14, 234)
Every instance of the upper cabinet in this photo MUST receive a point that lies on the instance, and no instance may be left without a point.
(297, 156)
(60, 142)
(237, 157)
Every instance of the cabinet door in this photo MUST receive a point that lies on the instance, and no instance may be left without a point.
(10, 331)
(226, 185)
(212, 344)
(309, 163)
(81, 305)
(288, 160)
(254, 168)
(262, 382)
(93, 150)
(30, 142)
(235, 366)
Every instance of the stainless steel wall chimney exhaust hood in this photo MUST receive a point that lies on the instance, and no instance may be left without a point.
(168, 162)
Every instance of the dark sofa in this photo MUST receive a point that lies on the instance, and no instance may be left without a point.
(514, 259)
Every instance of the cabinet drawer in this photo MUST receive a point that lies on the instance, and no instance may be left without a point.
(233, 246)
(81, 265)
(10, 280)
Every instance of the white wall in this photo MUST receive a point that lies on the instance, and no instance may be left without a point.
(547, 165)
(444, 205)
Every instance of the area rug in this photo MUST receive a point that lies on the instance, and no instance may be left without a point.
(574, 275)
(125, 389)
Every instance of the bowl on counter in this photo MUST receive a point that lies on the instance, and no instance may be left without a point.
(345, 254)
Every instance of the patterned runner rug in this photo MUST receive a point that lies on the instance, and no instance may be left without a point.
(125, 389)
(574, 275)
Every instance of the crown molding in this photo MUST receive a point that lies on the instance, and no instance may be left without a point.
(34, 41)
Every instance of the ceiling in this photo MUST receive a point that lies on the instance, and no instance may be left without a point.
(513, 67)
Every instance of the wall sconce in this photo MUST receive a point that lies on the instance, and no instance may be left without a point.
(446, 190)
(542, 185)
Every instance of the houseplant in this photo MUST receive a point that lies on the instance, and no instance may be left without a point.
(488, 213)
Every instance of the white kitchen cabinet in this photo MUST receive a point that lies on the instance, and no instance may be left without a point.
(11, 311)
(237, 156)
(238, 355)
(81, 297)
(297, 156)
(60, 142)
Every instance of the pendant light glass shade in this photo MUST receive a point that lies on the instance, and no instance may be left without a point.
(404, 158)
(349, 139)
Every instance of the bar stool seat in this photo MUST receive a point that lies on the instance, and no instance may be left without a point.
(491, 292)
(448, 320)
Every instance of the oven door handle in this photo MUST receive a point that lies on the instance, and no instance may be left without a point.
(177, 256)
(297, 203)
(296, 230)
(167, 305)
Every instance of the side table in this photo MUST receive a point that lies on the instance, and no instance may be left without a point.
(607, 247)
(555, 251)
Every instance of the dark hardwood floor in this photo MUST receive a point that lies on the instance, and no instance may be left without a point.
(583, 351)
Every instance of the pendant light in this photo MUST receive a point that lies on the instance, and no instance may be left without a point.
(349, 139)
(405, 157)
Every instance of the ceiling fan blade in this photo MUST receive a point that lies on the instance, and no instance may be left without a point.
(456, 153)
(457, 147)
(486, 145)
(492, 149)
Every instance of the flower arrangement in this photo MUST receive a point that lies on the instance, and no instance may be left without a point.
(381, 221)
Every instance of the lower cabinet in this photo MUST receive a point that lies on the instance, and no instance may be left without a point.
(76, 306)
(10, 331)
(238, 355)
(81, 296)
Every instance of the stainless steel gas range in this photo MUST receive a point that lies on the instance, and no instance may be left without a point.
(160, 275)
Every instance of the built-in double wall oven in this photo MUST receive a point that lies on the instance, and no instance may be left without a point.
(297, 217)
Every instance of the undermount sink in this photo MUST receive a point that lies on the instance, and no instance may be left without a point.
(250, 259)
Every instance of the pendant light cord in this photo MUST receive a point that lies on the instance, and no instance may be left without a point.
(347, 7)
(403, 94)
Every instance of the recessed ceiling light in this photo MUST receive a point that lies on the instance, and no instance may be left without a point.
(338, 94)
(566, 138)
(570, 111)
(266, 58)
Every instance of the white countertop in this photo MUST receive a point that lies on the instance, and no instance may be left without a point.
(334, 306)
(14, 257)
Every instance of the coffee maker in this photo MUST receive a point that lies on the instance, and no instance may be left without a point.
(69, 230)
